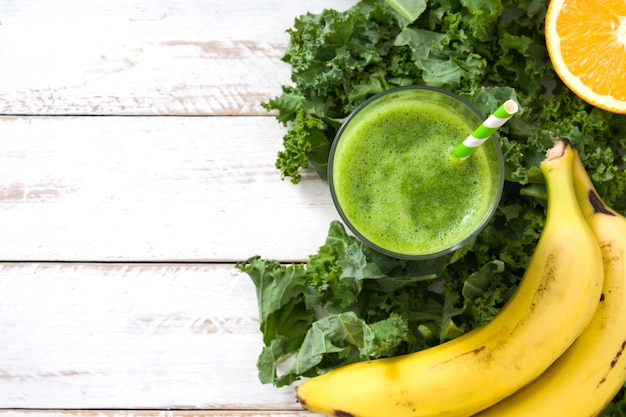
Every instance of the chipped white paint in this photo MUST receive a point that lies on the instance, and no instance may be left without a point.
(153, 189)
(155, 413)
(130, 336)
(134, 57)
(88, 330)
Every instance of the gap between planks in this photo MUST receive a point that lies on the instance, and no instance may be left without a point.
(135, 336)
(154, 189)
(152, 413)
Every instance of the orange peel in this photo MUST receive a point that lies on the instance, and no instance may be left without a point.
(586, 41)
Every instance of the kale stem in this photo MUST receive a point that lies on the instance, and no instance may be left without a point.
(537, 191)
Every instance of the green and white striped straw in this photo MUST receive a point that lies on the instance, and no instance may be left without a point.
(486, 129)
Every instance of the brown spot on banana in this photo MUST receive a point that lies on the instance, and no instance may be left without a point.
(618, 354)
(614, 362)
(339, 413)
(597, 204)
(474, 351)
(549, 276)
(611, 252)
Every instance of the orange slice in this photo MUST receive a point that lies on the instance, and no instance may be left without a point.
(586, 41)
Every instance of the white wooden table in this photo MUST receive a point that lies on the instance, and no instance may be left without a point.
(136, 167)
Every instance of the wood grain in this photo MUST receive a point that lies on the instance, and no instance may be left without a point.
(153, 413)
(136, 166)
(131, 336)
(172, 57)
(153, 189)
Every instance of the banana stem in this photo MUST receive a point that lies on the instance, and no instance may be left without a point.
(558, 149)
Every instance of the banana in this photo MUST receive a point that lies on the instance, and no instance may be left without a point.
(585, 379)
(555, 300)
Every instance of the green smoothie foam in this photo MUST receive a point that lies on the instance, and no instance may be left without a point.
(397, 182)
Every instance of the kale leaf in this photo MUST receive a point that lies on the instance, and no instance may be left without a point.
(349, 303)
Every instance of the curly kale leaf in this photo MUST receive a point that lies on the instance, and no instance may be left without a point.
(305, 143)
(338, 59)
(349, 303)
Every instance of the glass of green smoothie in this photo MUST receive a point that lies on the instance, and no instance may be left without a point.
(395, 182)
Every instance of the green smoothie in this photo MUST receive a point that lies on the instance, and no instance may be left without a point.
(399, 186)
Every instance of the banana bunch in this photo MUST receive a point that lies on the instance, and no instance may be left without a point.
(555, 349)
(587, 376)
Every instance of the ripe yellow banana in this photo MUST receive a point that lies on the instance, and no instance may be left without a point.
(555, 300)
(586, 378)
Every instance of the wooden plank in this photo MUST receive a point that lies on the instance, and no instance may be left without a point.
(176, 57)
(153, 189)
(153, 413)
(139, 336)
